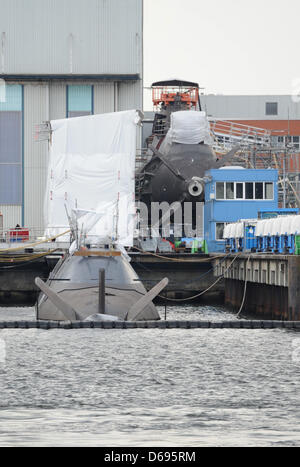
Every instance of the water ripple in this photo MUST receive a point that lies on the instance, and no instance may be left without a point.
(149, 387)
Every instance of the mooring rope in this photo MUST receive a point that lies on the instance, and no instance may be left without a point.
(31, 245)
(205, 291)
(177, 260)
(245, 288)
(21, 261)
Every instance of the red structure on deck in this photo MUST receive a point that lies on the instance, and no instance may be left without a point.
(167, 93)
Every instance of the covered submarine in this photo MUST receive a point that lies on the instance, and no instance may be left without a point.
(180, 147)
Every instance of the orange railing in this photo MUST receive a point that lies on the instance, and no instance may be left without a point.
(166, 95)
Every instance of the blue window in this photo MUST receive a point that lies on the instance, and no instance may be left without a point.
(11, 184)
(11, 146)
(79, 100)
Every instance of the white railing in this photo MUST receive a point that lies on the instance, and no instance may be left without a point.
(228, 134)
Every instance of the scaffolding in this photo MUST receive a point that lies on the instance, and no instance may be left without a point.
(286, 161)
(227, 134)
(258, 151)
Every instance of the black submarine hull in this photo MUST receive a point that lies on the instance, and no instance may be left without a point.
(178, 175)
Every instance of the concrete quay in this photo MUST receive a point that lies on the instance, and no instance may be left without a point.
(264, 285)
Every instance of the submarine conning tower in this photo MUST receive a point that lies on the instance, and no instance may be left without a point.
(180, 147)
(172, 96)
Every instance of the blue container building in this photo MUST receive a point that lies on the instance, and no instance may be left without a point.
(232, 194)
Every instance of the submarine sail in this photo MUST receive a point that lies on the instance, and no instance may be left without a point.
(181, 145)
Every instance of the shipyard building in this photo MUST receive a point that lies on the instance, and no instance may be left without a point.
(59, 59)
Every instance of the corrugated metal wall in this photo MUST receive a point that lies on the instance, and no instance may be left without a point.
(56, 35)
(58, 99)
(36, 110)
(12, 215)
(130, 96)
(103, 98)
(67, 37)
(249, 107)
(118, 96)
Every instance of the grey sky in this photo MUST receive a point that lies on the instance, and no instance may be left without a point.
(228, 46)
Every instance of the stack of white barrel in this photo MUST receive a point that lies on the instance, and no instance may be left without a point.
(235, 230)
(282, 225)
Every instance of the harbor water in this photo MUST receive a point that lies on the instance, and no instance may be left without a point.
(152, 387)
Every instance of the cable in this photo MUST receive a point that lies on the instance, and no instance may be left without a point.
(24, 258)
(23, 263)
(191, 281)
(206, 260)
(205, 291)
(245, 288)
(210, 270)
(35, 244)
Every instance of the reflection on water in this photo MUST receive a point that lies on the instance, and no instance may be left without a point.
(149, 387)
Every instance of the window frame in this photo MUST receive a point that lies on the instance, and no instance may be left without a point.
(269, 113)
(243, 185)
(228, 189)
(224, 193)
(282, 141)
(265, 191)
(253, 191)
(256, 189)
(244, 191)
(225, 224)
(73, 109)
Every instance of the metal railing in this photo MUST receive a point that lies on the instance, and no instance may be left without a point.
(11, 238)
(228, 134)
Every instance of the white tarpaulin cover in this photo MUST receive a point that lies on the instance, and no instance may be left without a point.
(187, 127)
(92, 168)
